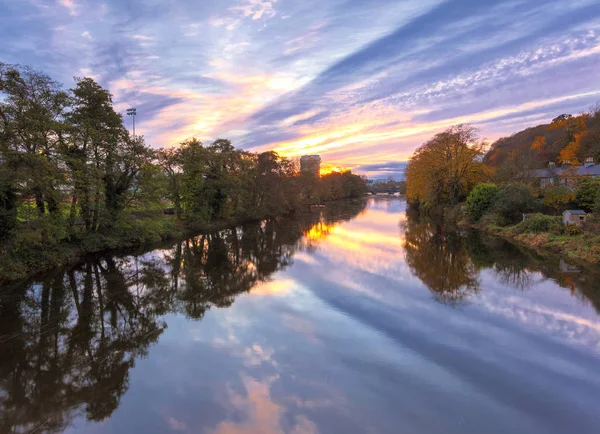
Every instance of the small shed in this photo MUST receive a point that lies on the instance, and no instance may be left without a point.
(574, 217)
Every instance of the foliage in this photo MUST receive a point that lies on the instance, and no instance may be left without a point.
(343, 185)
(539, 223)
(513, 200)
(573, 230)
(567, 138)
(576, 130)
(588, 192)
(445, 169)
(538, 143)
(558, 196)
(389, 184)
(480, 200)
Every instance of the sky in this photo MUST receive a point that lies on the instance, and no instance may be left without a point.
(362, 83)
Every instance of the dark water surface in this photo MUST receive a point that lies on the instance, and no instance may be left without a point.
(355, 319)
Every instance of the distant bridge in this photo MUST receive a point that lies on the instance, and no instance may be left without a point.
(388, 191)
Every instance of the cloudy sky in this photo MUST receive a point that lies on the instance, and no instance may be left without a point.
(361, 82)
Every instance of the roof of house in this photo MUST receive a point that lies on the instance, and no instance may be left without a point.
(551, 172)
(575, 211)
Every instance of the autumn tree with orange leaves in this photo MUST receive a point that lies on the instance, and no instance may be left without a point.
(538, 143)
(575, 130)
(445, 169)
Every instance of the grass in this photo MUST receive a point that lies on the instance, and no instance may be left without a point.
(581, 247)
(48, 246)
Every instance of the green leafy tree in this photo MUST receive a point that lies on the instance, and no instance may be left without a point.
(170, 162)
(103, 158)
(31, 112)
(588, 192)
(192, 160)
(513, 200)
(481, 200)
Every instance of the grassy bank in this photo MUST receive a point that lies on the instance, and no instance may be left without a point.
(546, 233)
(33, 251)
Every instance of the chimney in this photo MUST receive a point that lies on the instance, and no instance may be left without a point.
(589, 161)
(551, 164)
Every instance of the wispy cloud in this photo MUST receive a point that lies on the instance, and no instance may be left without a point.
(70, 5)
(362, 83)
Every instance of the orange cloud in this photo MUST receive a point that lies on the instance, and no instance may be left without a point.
(274, 287)
(262, 415)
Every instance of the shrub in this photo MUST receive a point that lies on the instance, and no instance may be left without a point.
(573, 230)
(558, 197)
(514, 200)
(540, 223)
(588, 193)
(480, 200)
(596, 207)
(453, 214)
(489, 220)
(592, 224)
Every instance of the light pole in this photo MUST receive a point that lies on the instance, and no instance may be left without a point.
(132, 112)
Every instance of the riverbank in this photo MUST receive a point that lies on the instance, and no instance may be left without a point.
(582, 247)
(30, 254)
(27, 256)
(544, 234)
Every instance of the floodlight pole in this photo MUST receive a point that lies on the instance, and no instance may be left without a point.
(132, 112)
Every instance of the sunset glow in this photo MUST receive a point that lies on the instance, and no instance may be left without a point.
(360, 83)
(332, 169)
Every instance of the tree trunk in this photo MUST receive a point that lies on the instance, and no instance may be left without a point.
(73, 211)
(53, 207)
(96, 209)
(8, 211)
(85, 208)
(39, 201)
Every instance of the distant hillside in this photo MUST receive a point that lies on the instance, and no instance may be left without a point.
(566, 138)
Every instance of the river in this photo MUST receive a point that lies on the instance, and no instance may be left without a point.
(355, 318)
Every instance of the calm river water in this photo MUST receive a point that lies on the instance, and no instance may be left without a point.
(354, 319)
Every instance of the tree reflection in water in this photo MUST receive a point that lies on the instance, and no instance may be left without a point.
(70, 339)
(449, 263)
(440, 261)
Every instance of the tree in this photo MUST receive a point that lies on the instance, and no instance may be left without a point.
(344, 185)
(513, 200)
(588, 192)
(481, 199)
(575, 129)
(445, 169)
(31, 111)
(103, 158)
(538, 143)
(558, 196)
(9, 163)
(193, 159)
(170, 162)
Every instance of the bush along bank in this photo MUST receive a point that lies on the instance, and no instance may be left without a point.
(543, 232)
(500, 209)
(35, 251)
